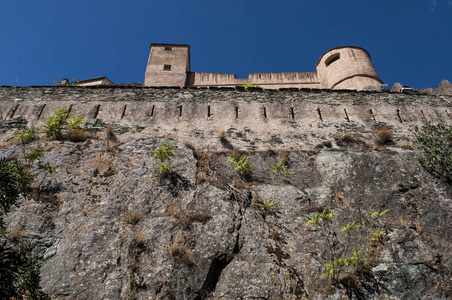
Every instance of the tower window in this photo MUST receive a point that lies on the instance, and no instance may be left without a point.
(166, 67)
(168, 48)
(332, 59)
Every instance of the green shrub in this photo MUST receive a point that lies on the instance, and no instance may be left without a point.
(53, 126)
(19, 274)
(26, 134)
(14, 180)
(241, 164)
(338, 264)
(435, 142)
(162, 155)
(75, 122)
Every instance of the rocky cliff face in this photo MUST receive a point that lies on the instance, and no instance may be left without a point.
(108, 226)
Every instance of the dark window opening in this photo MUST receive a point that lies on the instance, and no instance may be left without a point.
(167, 67)
(332, 59)
(168, 48)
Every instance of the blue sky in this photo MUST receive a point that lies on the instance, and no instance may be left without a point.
(410, 41)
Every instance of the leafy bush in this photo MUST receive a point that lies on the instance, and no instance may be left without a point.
(241, 164)
(75, 122)
(435, 142)
(14, 180)
(162, 155)
(26, 134)
(339, 266)
(19, 274)
(53, 126)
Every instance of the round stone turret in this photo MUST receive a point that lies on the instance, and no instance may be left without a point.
(347, 68)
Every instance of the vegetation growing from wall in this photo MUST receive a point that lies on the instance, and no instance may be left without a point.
(19, 274)
(344, 265)
(163, 154)
(435, 142)
(241, 164)
(280, 168)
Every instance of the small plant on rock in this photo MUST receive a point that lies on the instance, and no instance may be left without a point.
(241, 164)
(26, 134)
(163, 154)
(280, 168)
(265, 204)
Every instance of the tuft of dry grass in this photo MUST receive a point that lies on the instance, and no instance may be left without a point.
(315, 208)
(341, 200)
(383, 136)
(102, 165)
(187, 217)
(140, 238)
(15, 233)
(110, 134)
(179, 251)
(348, 140)
(326, 144)
(111, 139)
(285, 157)
(201, 177)
(406, 145)
(240, 184)
(222, 135)
(77, 135)
(171, 209)
(133, 216)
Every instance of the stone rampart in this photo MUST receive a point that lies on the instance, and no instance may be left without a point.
(264, 119)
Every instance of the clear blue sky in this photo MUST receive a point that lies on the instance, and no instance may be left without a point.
(410, 41)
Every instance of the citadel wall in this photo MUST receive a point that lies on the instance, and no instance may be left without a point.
(339, 68)
(265, 80)
(255, 119)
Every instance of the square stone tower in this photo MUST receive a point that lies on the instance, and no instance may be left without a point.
(168, 65)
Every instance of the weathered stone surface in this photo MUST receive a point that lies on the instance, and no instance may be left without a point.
(397, 87)
(229, 247)
(107, 226)
(444, 88)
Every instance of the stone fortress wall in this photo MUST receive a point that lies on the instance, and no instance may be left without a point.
(338, 68)
(258, 119)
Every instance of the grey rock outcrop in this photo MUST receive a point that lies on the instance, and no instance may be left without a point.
(107, 227)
